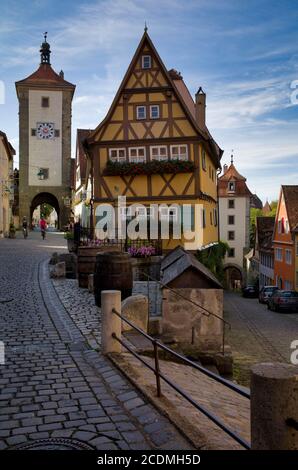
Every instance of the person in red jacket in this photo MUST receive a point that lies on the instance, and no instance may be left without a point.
(43, 226)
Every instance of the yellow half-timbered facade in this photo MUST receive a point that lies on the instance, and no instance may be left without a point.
(154, 147)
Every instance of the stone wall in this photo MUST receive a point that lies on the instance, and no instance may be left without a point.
(185, 323)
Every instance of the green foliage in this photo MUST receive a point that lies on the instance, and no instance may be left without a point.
(273, 206)
(46, 210)
(213, 259)
(148, 168)
(254, 213)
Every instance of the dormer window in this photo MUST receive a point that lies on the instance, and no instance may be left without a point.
(232, 186)
(146, 62)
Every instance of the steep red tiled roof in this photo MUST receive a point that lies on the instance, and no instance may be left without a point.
(267, 208)
(81, 158)
(291, 199)
(45, 76)
(265, 228)
(232, 175)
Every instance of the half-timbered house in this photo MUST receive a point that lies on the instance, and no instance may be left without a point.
(153, 146)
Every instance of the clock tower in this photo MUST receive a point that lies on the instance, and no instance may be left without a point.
(45, 100)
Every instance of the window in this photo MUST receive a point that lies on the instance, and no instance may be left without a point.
(43, 174)
(215, 217)
(137, 154)
(203, 218)
(231, 203)
(213, 175)
(154, 111)
(278, 254)
(288, 285)
(231, 235)
(33, 132)
(168, 213)
(231, 220)
(159, 152)
(203, 159)
(117, 155)
(296, 278)
(146, 61)
(231, 253)
(179, 152)
(211, 218)
(57, 133)
(141, 112)
(288, 256)
(232, 186)
(45, 102)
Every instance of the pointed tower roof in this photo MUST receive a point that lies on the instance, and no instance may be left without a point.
(45, 76)
(267, 208)
(231, 174)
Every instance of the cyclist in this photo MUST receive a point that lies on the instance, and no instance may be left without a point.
(43, 226)
(25, 227)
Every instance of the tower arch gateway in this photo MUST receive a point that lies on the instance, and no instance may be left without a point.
(45, 101)
(45, 198)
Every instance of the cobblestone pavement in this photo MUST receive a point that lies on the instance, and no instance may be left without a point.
(257, 334)
(54, 383)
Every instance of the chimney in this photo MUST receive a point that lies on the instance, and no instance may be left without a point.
(61, 74)
(225, 168)
(201, 108)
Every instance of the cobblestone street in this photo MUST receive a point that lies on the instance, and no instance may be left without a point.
(257, 334)
(55, 383)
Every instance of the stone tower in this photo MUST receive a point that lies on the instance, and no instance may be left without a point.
(45, 100)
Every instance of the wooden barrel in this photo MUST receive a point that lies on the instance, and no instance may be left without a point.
(86, 264)
(113, 271)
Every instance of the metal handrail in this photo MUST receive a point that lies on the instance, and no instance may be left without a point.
(159, 375)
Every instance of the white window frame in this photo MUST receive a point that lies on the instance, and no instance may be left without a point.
(145, 57)
(158, 111)
(137, 158)
(117, 158)
(174, 157)
(288, 257)
(145, 112)
(159, 157)
(278, 254)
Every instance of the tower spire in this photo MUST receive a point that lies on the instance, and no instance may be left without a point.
(45, 51)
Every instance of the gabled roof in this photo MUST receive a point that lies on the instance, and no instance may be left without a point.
(178, 261)
(9, 148)
(45, 76)
(180, 89)
(81, 157)
(232, 173)
(265, 229)
(291, 200)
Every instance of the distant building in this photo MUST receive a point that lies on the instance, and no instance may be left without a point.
(267, 208)
(235, 201)
(6, 184)
(255, 202)
(82, 190)
(263, 251)
(285, 239)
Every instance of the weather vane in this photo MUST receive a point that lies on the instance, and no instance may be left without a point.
(45, 36)
(232, 156)
(146, 28)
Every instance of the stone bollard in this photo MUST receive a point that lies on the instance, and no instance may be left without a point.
(111, 323)
(274, 407)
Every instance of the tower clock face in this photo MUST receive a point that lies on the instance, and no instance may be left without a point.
(45, 130)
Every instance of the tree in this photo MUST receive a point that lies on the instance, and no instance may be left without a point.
(46, 210)
(213, 259)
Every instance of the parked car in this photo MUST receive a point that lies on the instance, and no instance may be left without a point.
(266, 292)
(283, 300)
(250, 292)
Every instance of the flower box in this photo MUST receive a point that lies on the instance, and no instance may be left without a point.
(148, 168)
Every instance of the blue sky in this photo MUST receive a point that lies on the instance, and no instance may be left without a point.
(244, 53)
